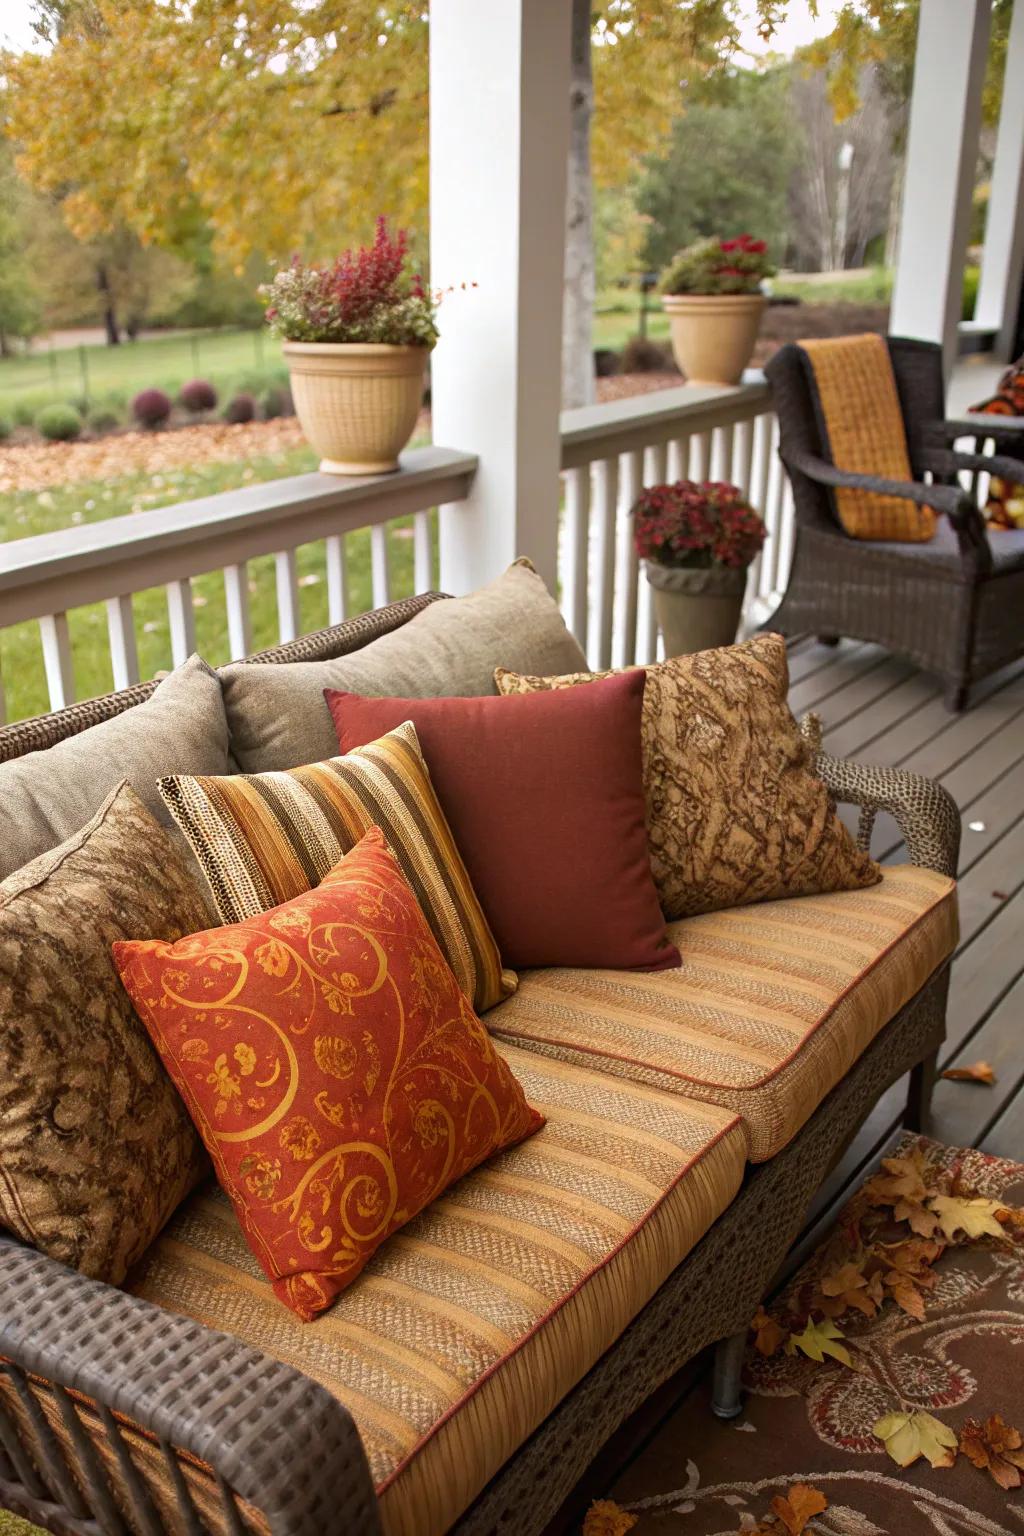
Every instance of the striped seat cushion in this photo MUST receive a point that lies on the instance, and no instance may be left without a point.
(468, 1327)
(771, 1005)
(264, 838)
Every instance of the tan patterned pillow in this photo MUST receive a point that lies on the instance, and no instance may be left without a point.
(96, 1147)
(733, 813)
(264, 838)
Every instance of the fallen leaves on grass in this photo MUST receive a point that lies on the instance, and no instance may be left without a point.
(977, 1072)
(908, 1436)
(606, 1518)
(994, 1446)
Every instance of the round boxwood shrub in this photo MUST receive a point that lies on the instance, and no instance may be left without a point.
(59, 423)
(103, 419)
(198, 395)
(152, 408)
(240, 408)
(277, 401)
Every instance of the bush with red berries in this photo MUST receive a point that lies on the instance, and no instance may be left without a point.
(366, 295)
(151, 408)
(697, 524)
(714, 266)
(197, 396)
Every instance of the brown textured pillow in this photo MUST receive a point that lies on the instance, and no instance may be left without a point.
(733, 813)
(96, 1147)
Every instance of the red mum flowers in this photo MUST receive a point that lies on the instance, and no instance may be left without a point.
(712, 266)
(697, 524)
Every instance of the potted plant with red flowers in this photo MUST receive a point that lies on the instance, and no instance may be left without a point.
(357, 335)
(711, 292)
(696, 539)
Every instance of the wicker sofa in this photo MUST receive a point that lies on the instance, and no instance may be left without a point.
(119, 1412)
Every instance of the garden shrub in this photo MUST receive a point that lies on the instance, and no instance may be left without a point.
(277, 401)
(6, 428)
(198, 395)
(59, 423)
(103, 419)
(151, 408)
(640, 355)
(240, 408)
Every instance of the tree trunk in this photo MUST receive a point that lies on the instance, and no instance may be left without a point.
(109, 310)
(577, 342)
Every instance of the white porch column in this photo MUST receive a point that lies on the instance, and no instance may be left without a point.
(499, 135)
(1002, 263)
(942, 152)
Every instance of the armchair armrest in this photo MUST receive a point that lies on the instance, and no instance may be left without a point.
(270, 1435)
(944, 498)
(981, 424)
(925, 812)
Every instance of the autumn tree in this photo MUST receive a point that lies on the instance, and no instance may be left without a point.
(19, 291)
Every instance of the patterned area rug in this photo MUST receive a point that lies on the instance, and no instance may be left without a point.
(814, 1423)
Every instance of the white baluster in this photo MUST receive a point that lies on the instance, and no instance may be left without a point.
(182, 618)
(679, 458)
(630, 478)
(236, 600)
(764, 502)
(722, 452)
(337, 579)
(3, 702)
(647, 622)
(286, 579)
(603, 611)
(574, 562)
(124, 652)
(743, 458)
(703, 470)
(422, 552)
(380, 578)
(60, 680)
(777, 501)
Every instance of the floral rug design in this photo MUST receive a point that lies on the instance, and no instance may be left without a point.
(862, 1364)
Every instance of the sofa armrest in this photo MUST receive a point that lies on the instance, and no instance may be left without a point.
(925, 812)
(271, 1436)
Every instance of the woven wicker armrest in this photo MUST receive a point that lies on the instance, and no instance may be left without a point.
(982, 425)
(272, 1436)
(925, 812)
(944, 498)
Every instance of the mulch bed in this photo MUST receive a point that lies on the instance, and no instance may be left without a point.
(812, 1423)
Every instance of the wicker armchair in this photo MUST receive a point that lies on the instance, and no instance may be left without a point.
(954, 605)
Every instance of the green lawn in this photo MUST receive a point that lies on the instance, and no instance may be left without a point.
(98, 375)
(24, 513)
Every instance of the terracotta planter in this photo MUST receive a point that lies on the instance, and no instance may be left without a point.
(713, 335)
(697, 610)
(357, 402)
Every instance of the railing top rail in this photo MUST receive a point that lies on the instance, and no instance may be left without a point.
(94, 561)
(617, 426)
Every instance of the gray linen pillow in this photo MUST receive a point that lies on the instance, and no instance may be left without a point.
(277, 715)
(47, 796)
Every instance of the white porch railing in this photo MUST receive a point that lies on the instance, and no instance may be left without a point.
(611, 451)
(608, 453)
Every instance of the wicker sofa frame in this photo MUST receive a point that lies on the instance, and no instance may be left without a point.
(957, 613)
(277, 1443)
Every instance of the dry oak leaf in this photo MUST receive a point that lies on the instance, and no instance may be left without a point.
(818, 1340)
(800, 1505)
(973, 1217)
(606, 1518)
(769, 1334)
(903, 1179)
(977, 1072)
(906, 1436)
(996, 1446)
(848, 1287)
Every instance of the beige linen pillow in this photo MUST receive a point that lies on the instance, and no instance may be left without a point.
(277, 714)
(47, 796)
(733, 813)
(96, 1148)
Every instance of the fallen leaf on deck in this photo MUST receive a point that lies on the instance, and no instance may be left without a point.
(906, 1436)
(975, 1218)
(819, 1340)
(977, 1072)
(996, 1447)
(606, 1518)
(769, 1335)
(848, 1287)
(799, 1506)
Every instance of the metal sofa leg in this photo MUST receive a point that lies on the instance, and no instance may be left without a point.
(918, 1112)
(726, 1390)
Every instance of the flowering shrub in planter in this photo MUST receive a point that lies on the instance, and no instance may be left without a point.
(711, 292)
(356, 337)
(697, 539)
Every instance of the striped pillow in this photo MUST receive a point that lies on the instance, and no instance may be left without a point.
(265, 838)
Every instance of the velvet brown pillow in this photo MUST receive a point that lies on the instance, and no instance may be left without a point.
(96, 1149)
(734, 814)
(545, 800)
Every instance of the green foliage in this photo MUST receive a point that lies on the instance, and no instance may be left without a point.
(737, 265)
(727, 167)
(59, 423)
(103, 419)
(276, 401)
(6, 428)
(19, 293)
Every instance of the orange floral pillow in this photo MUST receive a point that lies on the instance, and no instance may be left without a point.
(336, 1073)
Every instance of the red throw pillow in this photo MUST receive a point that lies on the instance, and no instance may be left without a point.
(544, 796)
(333, 1068)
